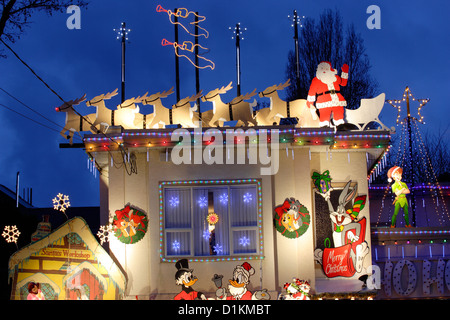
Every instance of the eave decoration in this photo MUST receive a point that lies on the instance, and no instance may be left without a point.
(130, 225)
(291, 219)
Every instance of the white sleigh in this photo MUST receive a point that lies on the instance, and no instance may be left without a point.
(368, 111)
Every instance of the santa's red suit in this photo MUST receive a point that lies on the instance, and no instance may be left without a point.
(325, 93)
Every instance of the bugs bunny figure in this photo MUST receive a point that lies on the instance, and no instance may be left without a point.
(345, 229)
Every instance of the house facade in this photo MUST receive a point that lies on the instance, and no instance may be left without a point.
(264, 196)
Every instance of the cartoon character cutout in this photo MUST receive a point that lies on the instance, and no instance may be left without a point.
(296, 290)
(291, 219)
(401, 190)
(238, 285)
(348, 235)
(185, 279)
(325, 95)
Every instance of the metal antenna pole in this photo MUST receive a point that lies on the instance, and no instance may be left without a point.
(177, 63)
(238, 59)
(237, 34)
(197, 71)
(122, 34)
(295, 24)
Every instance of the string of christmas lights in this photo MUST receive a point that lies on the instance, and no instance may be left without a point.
(397, 104)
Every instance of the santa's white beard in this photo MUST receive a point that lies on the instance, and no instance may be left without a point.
(327, 77)
(236, 291)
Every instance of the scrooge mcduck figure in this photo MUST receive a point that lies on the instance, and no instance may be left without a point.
(185, 279)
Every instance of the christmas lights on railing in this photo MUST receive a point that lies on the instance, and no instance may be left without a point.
(379, 167)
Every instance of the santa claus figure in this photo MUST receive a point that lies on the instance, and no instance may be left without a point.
(324, 92)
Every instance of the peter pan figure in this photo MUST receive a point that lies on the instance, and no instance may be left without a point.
(401, 190)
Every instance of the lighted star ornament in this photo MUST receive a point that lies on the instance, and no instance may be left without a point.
(406, 96)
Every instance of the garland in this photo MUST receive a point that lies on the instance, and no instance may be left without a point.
(130, 225)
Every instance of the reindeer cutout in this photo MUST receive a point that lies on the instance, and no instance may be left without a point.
(368, 111)
(104, 116)
(161, 114)
(281, 109)
(237, 109)
(184, 114)
(127, 114)
(74, 122)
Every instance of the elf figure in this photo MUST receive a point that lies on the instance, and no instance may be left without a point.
(185, 279)
(401, 190)
(325, 87)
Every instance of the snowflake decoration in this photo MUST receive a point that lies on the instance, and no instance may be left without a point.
(176, 245)
(61, 202)
(206, 234)
(247, 197)
(174, 202)
(11, 234)
(202, 202)
(223, 198)
(218, 248)
(244, 241)
(104, 233)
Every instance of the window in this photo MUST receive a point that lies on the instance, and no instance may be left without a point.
(212, 220)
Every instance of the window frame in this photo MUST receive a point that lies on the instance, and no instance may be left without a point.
(228, 183)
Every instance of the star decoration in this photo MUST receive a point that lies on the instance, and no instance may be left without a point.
(408, 95)
(61, 202)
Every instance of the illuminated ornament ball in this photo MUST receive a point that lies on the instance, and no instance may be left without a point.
(212, 218)
(11, 234)
(61, 202)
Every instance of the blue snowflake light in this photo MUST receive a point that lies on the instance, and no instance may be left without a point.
(176, 245)
(247, 197)
(223, 198)
(218, 248)
(174, 202)
(202, 202)
(206, 234)
(244, 241)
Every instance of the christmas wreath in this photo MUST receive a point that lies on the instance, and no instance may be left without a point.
(130, 225)
(291, 219)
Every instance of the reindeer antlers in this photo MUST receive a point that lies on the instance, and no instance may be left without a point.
(76, 101)
(243, 97)
(192, 98)
(109, 95)
(71, 103)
